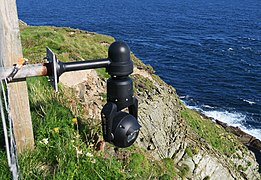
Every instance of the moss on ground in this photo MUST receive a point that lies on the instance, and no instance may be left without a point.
(143, 84)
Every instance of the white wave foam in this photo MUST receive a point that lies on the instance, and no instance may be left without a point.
(209, 107)
(246, 48)
(230, 49)
(194, 107)
(234, 119)
(231, 118)
(249, 102)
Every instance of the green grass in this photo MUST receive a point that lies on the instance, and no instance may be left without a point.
(143, 84)
(4, 170)
(68, 44)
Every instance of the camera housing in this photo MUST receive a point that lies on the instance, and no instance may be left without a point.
(120, 128)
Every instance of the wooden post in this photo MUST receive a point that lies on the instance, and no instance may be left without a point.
(10, 51)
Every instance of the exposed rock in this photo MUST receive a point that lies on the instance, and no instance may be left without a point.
(89, 88)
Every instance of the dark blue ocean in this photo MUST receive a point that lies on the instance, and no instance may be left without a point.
(209, 50)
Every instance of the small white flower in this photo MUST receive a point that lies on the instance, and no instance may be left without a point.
(89, 154)
(78, 151)
(77, 136)
(44, 141)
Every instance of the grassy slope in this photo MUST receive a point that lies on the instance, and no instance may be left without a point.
(66, 154)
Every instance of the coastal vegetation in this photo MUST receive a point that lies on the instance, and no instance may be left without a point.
(65, 140)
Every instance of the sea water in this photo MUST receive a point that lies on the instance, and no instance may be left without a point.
(209, 50)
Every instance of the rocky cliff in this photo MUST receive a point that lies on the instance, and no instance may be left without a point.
(165, 132)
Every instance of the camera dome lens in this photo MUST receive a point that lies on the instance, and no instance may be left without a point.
(125, 129)
(132, 136)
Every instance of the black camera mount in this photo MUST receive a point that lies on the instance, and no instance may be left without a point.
(119, 128)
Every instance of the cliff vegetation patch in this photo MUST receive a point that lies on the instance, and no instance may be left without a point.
(215, 135)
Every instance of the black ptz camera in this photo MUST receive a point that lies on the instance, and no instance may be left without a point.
(119, 127)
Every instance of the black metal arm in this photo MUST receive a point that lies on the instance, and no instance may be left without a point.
(89, 64)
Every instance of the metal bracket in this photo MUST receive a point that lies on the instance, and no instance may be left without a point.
(53, 62)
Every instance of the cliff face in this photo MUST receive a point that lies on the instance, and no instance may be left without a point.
(165, 133)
